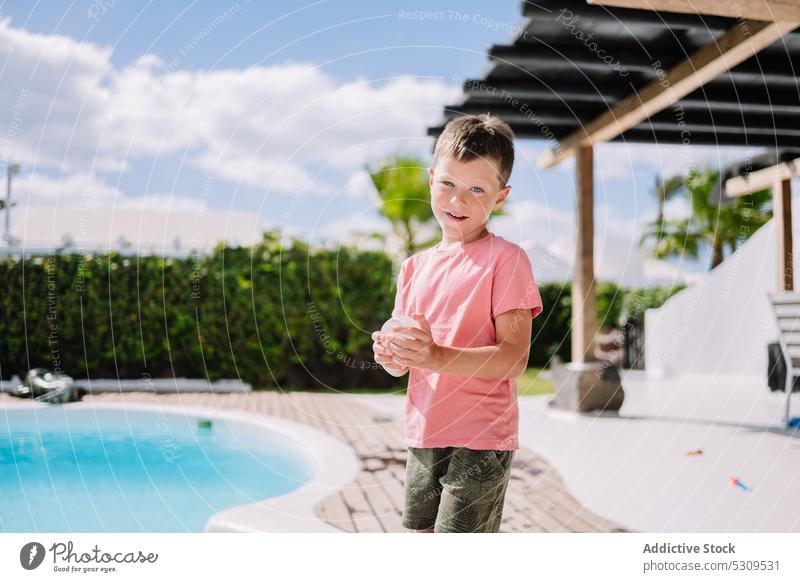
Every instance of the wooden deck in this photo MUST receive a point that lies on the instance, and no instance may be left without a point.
(536, 501)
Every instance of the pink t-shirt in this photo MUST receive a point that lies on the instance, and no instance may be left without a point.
(460, 291)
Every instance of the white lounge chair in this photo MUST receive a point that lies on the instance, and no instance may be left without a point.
(787, 313)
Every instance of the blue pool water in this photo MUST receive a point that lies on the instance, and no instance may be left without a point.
(113, 470)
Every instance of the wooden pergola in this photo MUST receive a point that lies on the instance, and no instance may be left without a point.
(771, 170)
(687, 72)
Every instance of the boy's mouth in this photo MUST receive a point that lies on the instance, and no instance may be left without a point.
(455, 217)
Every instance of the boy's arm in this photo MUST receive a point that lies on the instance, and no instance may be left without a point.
(508, 358)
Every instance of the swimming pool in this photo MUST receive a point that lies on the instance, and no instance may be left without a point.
(72, 469)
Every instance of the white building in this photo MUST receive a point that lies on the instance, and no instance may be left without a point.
(143, 231)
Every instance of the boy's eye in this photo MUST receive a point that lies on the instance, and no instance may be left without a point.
(477, 189)
(447, 183)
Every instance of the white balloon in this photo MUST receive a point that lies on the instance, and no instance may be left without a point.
(388, 327)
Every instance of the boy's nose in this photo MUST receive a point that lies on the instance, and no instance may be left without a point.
(457, 200)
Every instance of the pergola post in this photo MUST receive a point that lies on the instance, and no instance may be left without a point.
(584, 310)
(782, 215)
(585, 384)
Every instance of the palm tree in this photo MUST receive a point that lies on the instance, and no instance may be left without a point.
(402, 185)
(718, 226)
(665, 190)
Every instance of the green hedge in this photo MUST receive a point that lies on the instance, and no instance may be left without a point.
(272, 314)
(615, 307)
(267, 315)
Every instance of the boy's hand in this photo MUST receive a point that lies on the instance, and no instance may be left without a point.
(384, 356)
(419, 352)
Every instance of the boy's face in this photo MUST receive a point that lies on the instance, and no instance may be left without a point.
(468, 189)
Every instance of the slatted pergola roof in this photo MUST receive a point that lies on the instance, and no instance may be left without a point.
(571, 62)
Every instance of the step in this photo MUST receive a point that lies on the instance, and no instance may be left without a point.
(785, 298)
(787, 311)
(789, 326)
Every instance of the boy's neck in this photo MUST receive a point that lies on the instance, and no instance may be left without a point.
(448, 242)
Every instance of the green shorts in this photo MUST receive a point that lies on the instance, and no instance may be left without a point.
(455, 489)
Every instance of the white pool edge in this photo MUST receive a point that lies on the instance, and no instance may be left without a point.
(334, 465)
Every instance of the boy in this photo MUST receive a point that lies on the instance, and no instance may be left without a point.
(473, 296)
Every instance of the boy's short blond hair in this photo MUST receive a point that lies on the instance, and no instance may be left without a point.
(469, 137)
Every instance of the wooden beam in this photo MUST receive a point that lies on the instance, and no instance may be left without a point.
(782, 217)
(584, 302)
(762, 179)
(770, 10)
(735, 46)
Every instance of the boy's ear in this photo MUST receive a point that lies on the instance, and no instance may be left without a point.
(430, 176)
(504, 193)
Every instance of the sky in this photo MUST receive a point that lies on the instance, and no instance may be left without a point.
(276, 108)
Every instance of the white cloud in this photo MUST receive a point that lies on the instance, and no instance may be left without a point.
(69, 190)
(527, 156)
(280, 127)
(355, 230)
(675, 209)
(359, 186)
(529, 218)
(83, 190)
(548, 234)
(620, 160)
(52, 99)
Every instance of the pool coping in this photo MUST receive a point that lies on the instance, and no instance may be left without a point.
(334, 464)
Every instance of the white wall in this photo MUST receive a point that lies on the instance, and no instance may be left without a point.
(722, 324)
